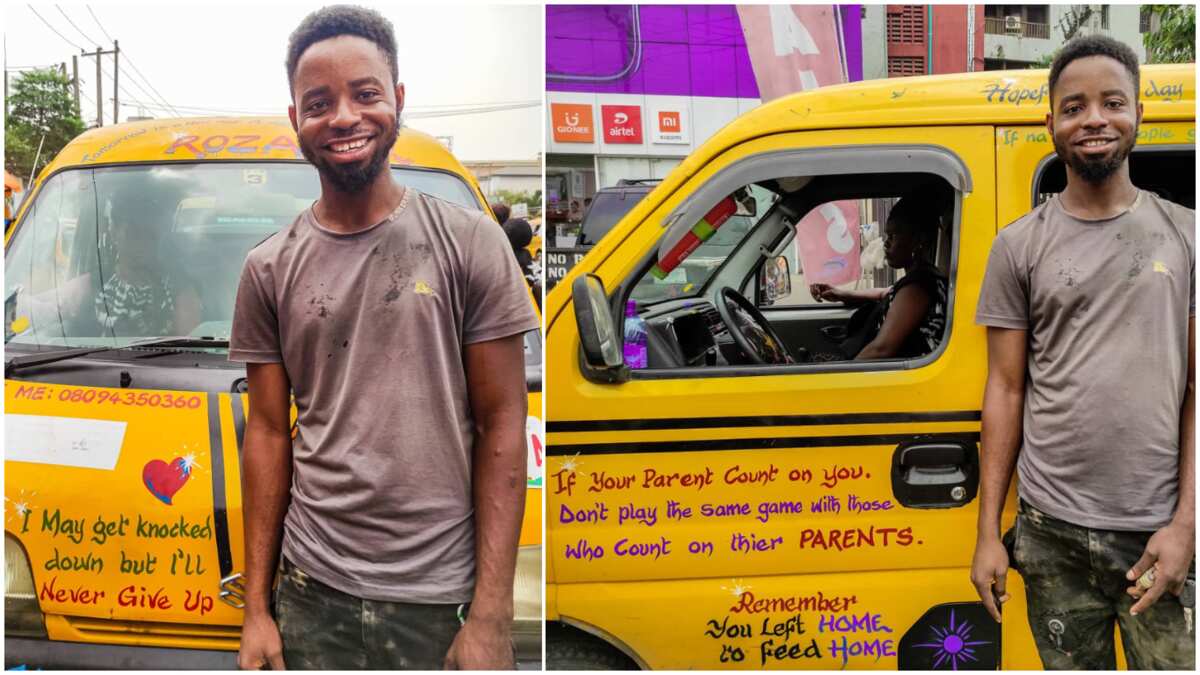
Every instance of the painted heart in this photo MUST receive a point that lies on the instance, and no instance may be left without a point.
(164, 480)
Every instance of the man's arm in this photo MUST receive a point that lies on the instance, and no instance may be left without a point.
(267, 481)
(1003, 405)
(1171, 549)
(496, 386)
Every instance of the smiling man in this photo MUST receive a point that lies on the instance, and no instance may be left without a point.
(396, 319)
(1090, 306)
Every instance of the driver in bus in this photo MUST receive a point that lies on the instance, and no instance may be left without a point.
(142, 297)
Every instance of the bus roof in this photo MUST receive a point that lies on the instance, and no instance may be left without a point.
(990, 97)
(224, 138)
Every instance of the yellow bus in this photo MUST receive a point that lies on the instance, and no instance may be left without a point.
(123, 506)
(750, 498)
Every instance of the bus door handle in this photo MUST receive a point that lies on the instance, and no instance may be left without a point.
(935, 475)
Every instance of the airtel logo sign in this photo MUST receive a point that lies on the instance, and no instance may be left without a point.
(622, 123)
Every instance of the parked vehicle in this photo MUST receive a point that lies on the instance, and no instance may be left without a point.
(608, 206)
(741, 504)
(123, 504)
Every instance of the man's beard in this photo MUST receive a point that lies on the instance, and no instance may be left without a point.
(1096, 170)
(353, 178)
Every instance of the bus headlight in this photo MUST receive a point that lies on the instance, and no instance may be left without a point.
(22, 615)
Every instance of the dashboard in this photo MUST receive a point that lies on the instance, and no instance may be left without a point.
(688, 335)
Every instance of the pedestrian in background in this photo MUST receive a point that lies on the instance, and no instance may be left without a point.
(501, 210)
(520, 235)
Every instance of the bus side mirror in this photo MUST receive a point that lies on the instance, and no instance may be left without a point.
(774, 281)
(602, 357)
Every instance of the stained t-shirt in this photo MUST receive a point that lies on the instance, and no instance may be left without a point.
(370, 327)
(1106, 306)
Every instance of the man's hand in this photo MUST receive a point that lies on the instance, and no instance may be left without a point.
(482, 645)
(1169, 553)
(988, 572)
(261, 645)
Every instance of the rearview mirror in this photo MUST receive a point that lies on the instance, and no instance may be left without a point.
(598, 335)
(774, 281)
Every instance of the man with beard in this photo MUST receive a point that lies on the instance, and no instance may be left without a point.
(1090, 310)
(396, 319)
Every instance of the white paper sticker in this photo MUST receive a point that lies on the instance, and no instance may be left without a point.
(63, 441)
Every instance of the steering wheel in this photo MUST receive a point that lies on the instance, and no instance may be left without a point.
(750, 330)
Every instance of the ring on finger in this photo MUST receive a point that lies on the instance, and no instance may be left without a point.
(1146, 581)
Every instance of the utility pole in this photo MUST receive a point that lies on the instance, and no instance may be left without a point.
(75, 82)
(99, 94)
(116, 71)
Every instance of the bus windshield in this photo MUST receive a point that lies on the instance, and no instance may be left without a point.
(111, 256)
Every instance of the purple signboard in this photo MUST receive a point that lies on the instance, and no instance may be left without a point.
(852, 36)
(679, 50)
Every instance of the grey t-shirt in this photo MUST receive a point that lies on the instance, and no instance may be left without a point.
(1106, 306)
(371, 327)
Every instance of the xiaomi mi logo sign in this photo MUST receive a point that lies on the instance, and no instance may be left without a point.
(671, 126)
(572, 122)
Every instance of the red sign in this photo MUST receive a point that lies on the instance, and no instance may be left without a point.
(668, 122)
(622, 123)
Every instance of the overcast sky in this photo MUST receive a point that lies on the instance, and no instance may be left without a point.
(230, 58)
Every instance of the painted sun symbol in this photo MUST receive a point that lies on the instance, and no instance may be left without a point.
(571, 463)
(189, 461)
(19, 506)
(737, 588)
(952, 644)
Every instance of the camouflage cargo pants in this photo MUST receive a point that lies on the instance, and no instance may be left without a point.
(325, 629)
(1075, 586)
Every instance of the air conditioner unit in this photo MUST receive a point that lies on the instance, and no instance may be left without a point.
(1012, 24)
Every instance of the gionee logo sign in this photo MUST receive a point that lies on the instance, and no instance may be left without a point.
(572, 122)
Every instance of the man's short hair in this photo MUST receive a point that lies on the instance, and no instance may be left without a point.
(335, 20)
(1096, 45)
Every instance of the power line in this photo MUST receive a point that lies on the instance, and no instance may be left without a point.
(129, 61)
(448, 106)
(53, 29)
(89, 9)
(477, 111)
(85, 35)
(443, 111)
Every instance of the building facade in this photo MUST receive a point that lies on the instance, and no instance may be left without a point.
(632, 90)
(900, 40)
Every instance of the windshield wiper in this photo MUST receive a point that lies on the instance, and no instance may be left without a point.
(29, 360)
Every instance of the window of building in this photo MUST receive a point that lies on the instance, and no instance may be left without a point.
(903, 66)
(906, 23)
